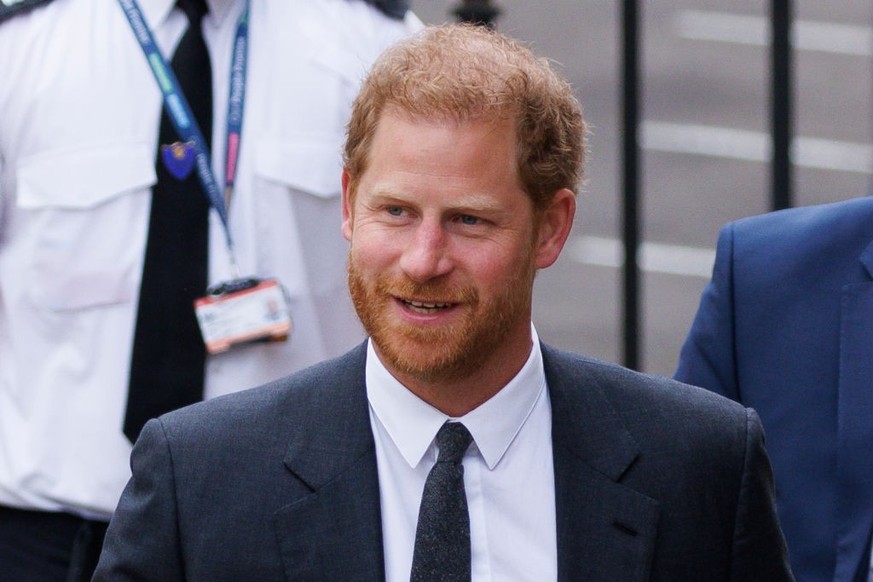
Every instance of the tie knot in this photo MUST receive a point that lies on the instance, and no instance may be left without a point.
(453, 440)
(195, 10)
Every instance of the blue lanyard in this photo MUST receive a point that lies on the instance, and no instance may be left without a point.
(235, 101)
(183, 119)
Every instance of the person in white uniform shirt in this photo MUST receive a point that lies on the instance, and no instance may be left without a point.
(79, 112)
(453, 444)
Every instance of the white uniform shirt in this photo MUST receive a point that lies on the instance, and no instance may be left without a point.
(79, 112)
(508, 473)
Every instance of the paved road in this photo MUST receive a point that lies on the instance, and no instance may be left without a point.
(705, 145)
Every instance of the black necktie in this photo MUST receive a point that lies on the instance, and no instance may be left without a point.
(168, 353)
(442, 538)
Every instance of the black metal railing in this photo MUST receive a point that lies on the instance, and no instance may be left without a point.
(477, 12)
(631, 164)
(781, 103)
(781, 127)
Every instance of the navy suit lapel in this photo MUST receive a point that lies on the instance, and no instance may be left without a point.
(606, 531)
(335, 532)
(855, 431)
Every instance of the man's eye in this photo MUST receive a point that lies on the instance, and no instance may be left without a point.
(469, 220)
(395, 210)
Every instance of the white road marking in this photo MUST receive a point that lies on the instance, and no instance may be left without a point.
(653, 257)
(725, 142)
(807, 35)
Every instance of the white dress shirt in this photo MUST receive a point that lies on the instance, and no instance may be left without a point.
(79, 112)
(508, 473)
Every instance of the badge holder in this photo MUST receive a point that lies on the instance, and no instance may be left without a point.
(242, 311)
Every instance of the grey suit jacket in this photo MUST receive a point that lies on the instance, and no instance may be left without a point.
(655, 480)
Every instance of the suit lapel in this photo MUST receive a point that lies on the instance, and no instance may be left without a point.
(605, 529)
(335, 532)
(855, 431)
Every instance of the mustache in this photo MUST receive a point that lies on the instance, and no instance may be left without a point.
(430, 292)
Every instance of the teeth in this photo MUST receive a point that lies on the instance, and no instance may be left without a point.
(426, 306)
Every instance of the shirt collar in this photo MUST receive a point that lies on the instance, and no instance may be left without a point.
(412, 423)
(220, 9)
(157, 11)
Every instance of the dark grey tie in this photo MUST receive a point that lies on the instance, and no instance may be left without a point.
(442, 538)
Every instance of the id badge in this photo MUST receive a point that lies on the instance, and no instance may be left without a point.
(243, 310)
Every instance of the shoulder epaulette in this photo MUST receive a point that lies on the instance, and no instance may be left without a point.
(393, 8)
(10, 8)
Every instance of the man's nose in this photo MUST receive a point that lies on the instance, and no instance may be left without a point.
(426, 256)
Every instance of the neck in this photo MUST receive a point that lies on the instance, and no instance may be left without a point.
(457, 395)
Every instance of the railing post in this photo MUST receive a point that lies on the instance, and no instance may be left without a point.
(781, 104)
(630, 161)
(477, 12)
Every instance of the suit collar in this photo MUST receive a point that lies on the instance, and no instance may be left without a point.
(220, 9)
(866, 259)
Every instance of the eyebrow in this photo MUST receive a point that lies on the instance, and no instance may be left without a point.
(471, 202)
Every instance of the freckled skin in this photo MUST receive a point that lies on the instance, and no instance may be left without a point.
(443, 254)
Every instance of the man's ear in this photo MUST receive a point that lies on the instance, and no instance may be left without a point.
(555, 224)
(347, 207)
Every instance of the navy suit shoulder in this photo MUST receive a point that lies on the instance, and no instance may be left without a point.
(810, 219)
(777, 277)
(811, 242)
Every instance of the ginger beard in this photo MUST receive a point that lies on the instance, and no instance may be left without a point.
(448, 352)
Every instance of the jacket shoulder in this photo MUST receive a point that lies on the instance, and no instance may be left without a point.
(637, 397)
(804, 220)
(800, 244)
(312, 392)
(10, 8)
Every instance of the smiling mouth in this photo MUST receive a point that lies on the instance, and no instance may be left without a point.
(424, 307)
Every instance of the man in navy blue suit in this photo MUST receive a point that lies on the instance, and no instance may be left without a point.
(786, 327)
